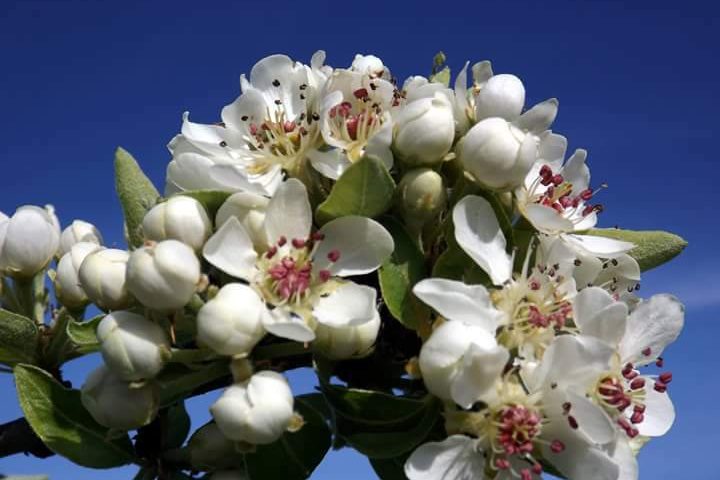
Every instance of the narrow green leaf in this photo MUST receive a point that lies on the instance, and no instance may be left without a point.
(177, 381)
(398, 275)
(372, 409)
(295, 455)
(366, 188)
(82, 335)
(18, 339)
(136, 192)
(212, 200)
(652, 247)
(57, 416)
(175, 424)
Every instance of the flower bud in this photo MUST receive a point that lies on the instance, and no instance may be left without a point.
(422, 195)
(28, 241)
(78, 231)
(116, 404)
(257, 411)
(133, 347)
(210, 449)
(502, 96)
(163, 276)
(180, 218)
(424, 130)
(249, 209)
(231, 323)
(68, 289)
(102, 276)
(368, 65)
(498, 154)
(342, 343)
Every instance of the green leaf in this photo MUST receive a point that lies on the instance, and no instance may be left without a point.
(136, 192)
(178, 381)
(442, 76)
(212, 200)
(366, 188)
(175, 423)
(455, 264)
(18, 339)
(390, 468)
(57, 416)
(82, 335)
(370, 408)
(295, 455)
(398, 275)
(652, 248)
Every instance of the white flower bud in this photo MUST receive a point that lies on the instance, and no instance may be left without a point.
(163, 276)
(210, 449)
(231, 323)
(256, 411)
(498, 154)
(68, 289)
(180, 218)
(341, 343)
(249, 209)
(117, 404)
(102, 276)
(133, 347)
(422, 195)
(502, 96)
(424, 130)
(368, 65)
(28, 240)
(78, 231)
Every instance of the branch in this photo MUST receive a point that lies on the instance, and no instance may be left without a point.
(18, 437)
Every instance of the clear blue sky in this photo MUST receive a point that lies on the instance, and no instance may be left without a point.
(636, 81)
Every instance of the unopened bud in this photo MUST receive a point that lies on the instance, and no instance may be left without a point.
(78, 231)
(422, 195)
(102, 276)
(180, 218)
(424, 130)
(210, 449)
(249, 209)
(28, 240)
(68, 289)
(502, 96)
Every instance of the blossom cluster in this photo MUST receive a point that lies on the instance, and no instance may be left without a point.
(544, 359)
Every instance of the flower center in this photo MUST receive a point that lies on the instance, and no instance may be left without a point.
(286, 270)
(552, 190)
(355, 122)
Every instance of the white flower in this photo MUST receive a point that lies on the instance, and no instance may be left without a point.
(270, 127)
(344, 342)
(371, 66)
(163, 276)
(28, 240)
(422, 195)
(355, 120)
(231, 323)
(553, 199)
(116, 404)
(297, 272)
(424, 130)
(249, 209)
(256, 411)
(181, 218)
(67, 281)
(462, 363)
(78, 231)
(102, 277)
(133, 347)
(501, 96)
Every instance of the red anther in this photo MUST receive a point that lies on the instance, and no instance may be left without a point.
(298, 242)
(333, 255)
(659, 362)
(573, 422)
(628, 368)
(624, 404)
(352, 127)
(637, 384)
(666, 377)
(624, 424)
(631, 374)
(502, 463)
(566, 407)
(282, 241)
(647, 351)
(558, 207)
(303, 131)
(537, 469)
(289, 126)
(534, 285)
(253, 129)
(288, 263)
(318, 236)
(639, 408)
(324, 275)
(588, 210)
(632, 432)
(557, 446)
(360, 93)
(557, 179)
(586, 194)
(598, 208)
(565, 201)
(576, 202)
(525, 474)
(545, 171)
(265, 126)
(271, 252)
(660, 387)
(550, 192)
(637, 417)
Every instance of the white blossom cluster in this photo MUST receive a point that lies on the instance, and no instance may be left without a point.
(541, 368)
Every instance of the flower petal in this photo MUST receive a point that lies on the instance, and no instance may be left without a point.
(593, 422)
(456, 301)
(547, 219)
(579, 459)
(653, 325)
(331, 163)
(480, 371)
(349, 305)
(597, 314)
(552, 149)
(289, 213)
(363, 244)
(236, 178)
(379, 144)
(283, 323)
(231, 250)
(478, 233)
(455, 458)
(577, 172)
(598, 246)
(538, 118)
(659, 412)
(623, 455)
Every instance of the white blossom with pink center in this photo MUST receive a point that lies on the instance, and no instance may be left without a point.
(299, 273)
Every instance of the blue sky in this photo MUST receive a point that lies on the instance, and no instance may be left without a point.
(637, 87)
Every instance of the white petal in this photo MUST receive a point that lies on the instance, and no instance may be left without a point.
(349, 305)
(547, 219)
(455, 458)
(363, 244)
(456, 301)
(538, 118)
(249, 108)
(478, 233)
(231, 250)
(289, 213)
(623, 456)
(236, 178)
(480, 371)
(654, 324)
(596, 313)
(379, 144)
(283, 323)
(579, 460)
(593, 422)
(331, 163)
(599, 246)
(189, 171)
(659, 412)
(482, 72)
(552, 148)
(577, 172)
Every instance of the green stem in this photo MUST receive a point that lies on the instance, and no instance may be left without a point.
(186, 355)
(57, 347)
